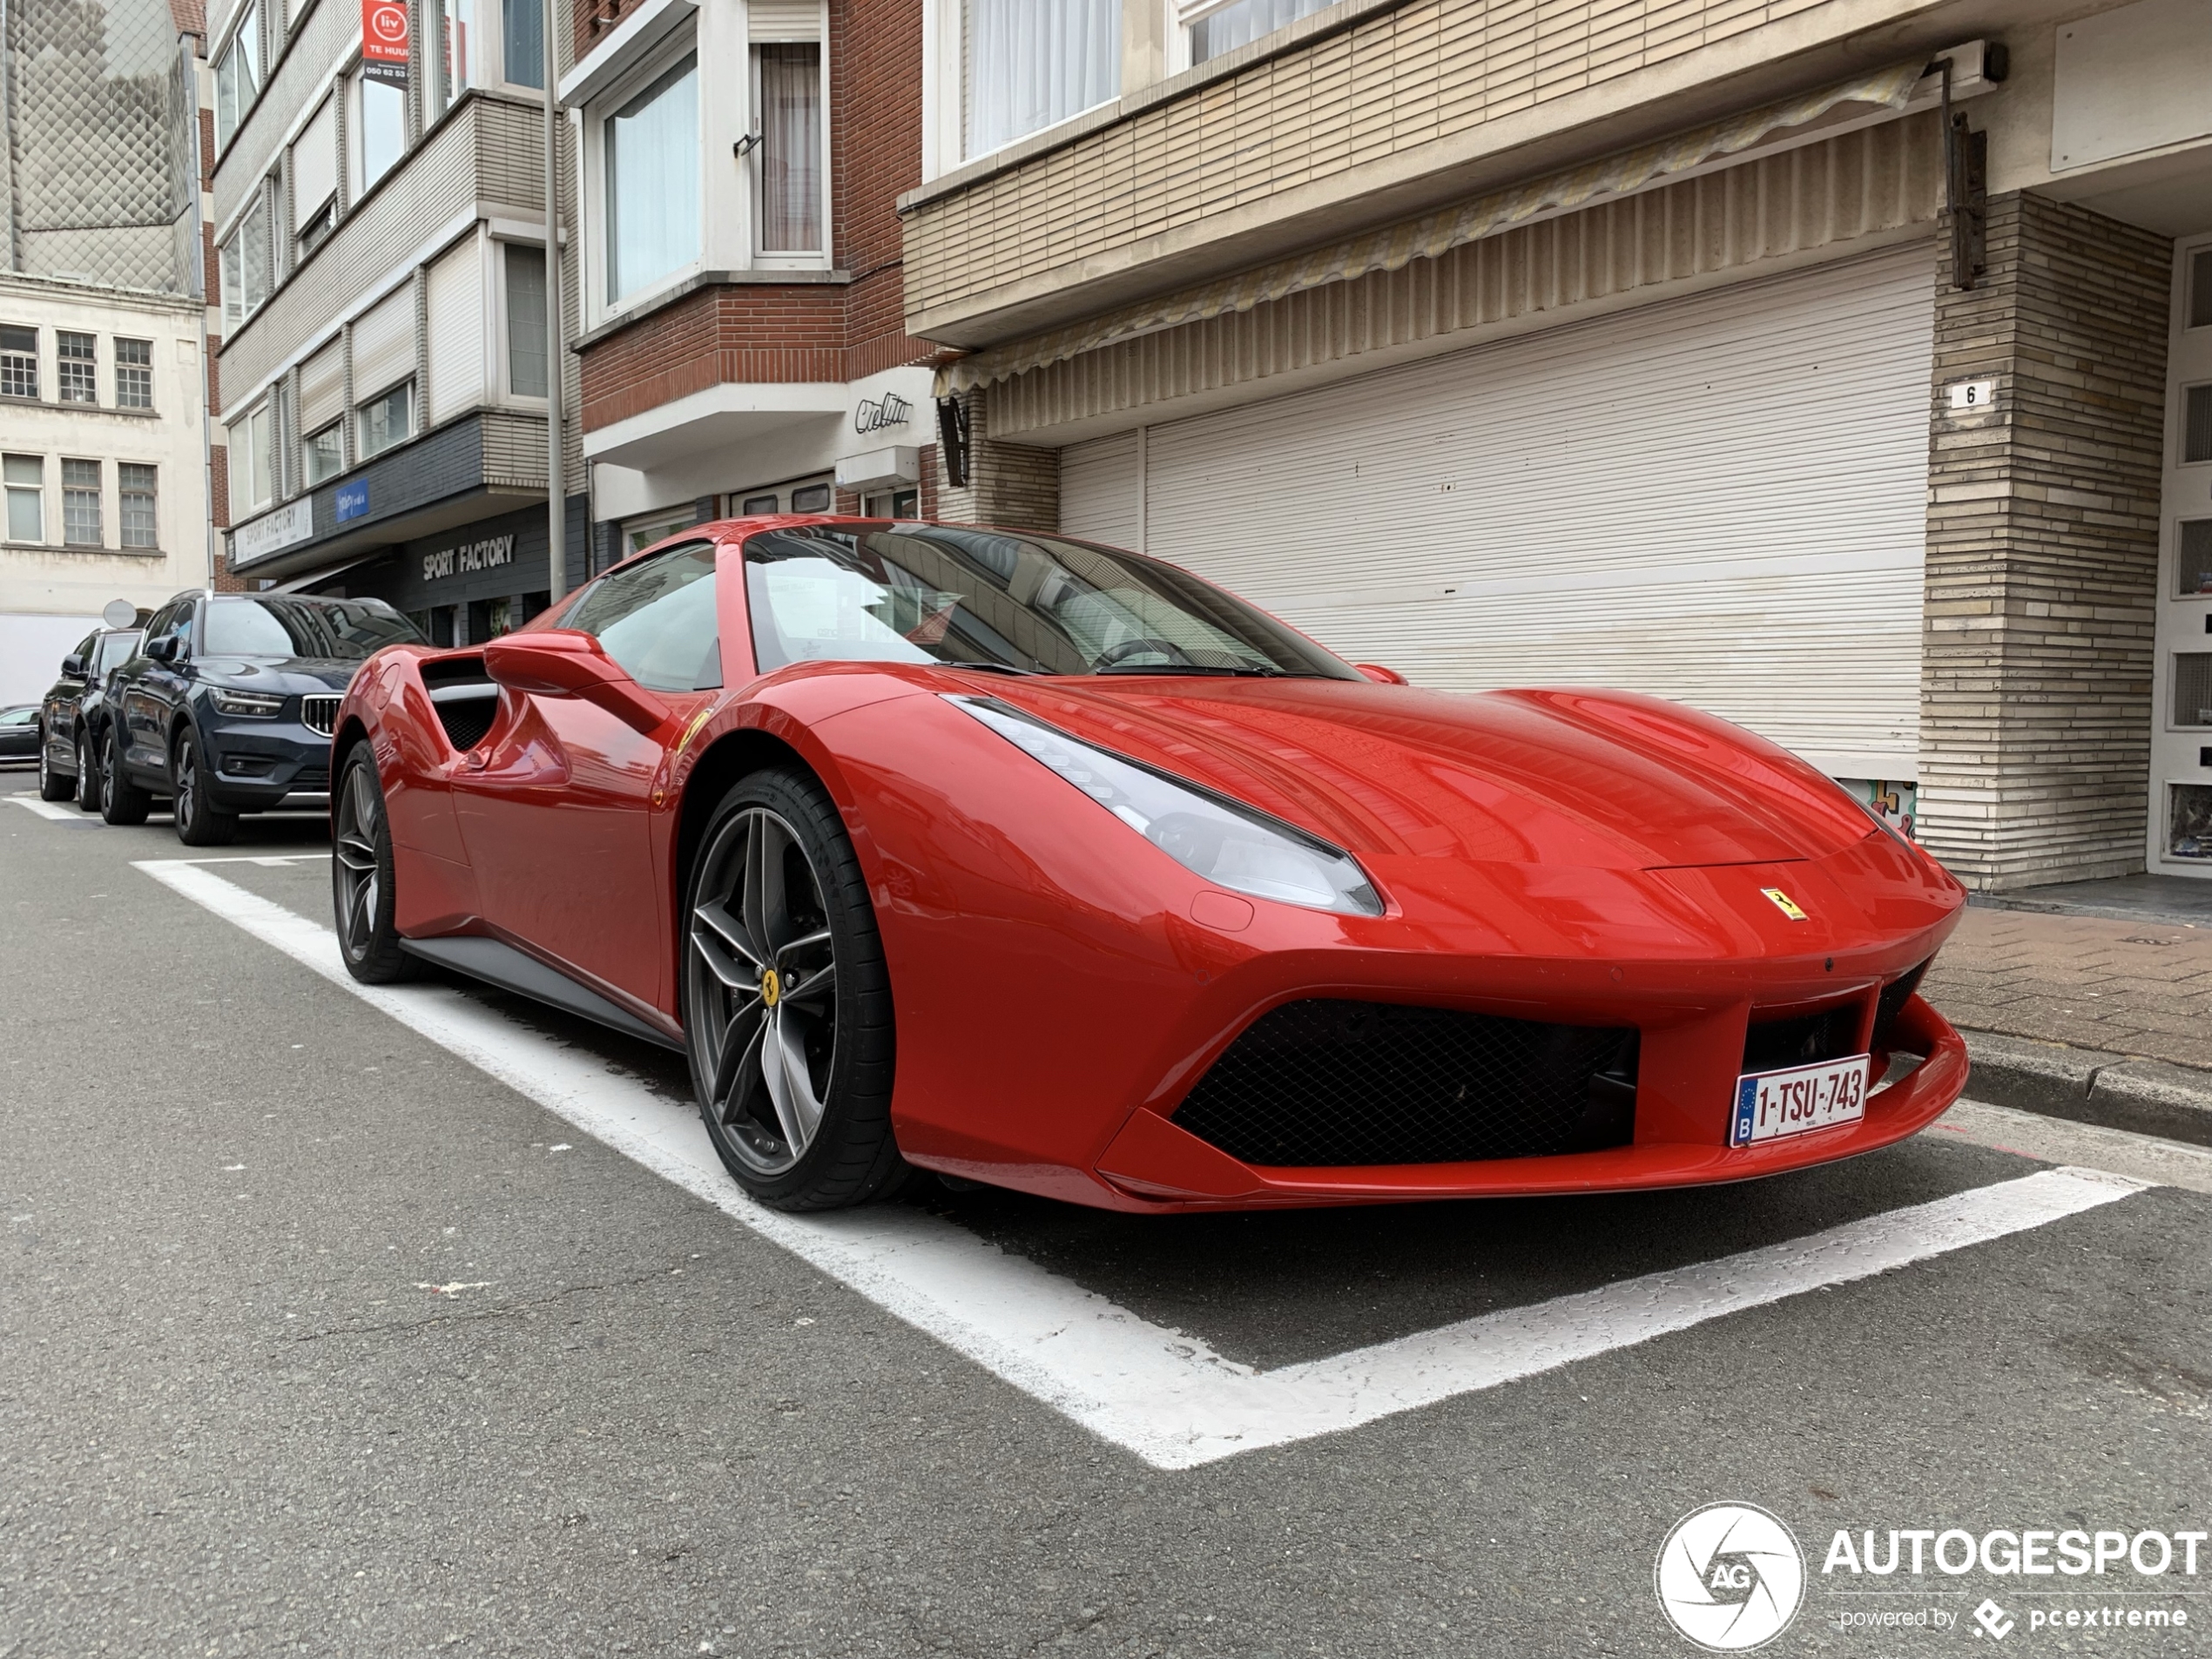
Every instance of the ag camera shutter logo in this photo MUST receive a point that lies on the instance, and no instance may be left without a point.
(1729, 1577)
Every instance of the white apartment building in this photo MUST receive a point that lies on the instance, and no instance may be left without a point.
(102, 448)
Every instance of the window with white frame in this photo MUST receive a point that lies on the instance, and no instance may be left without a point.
(80, 504)
(135, 513)
(18, 362)
(386, 420)
(378, 129)
(787, 100)
(1029, 65)
(77, 366)
(524, 269)
(322, 454)
(314, 178)
(25, 477)
(481, 42)
(238, 77)
(246, 264)
(253, 462)
(1219, 26)
(652, 146)
(134, 373)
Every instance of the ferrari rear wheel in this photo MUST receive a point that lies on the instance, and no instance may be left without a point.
(786, 1002)
(361, 877)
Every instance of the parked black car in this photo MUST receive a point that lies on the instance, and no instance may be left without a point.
(19, 732)
(229, 705)
(72, 717)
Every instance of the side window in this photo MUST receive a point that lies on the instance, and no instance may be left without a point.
(656, 618)
(158, 624)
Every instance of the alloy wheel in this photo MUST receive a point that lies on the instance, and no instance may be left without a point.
(761, 970)
(354, 848)
(187, 770)
(89, 759)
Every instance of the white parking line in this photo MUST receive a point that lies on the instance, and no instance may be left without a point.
(1162, 1394)
(54, 810)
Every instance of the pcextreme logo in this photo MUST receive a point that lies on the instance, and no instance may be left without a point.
(1729, 1577)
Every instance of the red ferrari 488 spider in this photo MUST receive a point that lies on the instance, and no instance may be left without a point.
(1040, 864)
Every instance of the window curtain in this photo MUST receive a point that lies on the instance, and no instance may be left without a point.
(1032, 62)
(653, 181)
(790, 148)
(1242, 24)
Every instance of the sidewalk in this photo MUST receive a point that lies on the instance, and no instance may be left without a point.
(2086, 1016)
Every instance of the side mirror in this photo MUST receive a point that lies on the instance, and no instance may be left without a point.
(562, 662)
(74, 665)
(164, 650)
(1380, 675)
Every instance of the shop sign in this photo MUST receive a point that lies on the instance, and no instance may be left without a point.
(353, 500)
(293, 522)
(492, 552)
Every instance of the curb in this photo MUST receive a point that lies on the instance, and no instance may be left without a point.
(2090, 1086)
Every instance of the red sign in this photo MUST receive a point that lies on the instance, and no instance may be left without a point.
(384, 32)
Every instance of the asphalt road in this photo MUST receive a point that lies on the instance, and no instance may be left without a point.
(316, 1337)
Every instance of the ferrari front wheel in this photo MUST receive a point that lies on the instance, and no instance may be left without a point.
(787, 1014)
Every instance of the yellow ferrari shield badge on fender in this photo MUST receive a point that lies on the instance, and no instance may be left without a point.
(1784, 903)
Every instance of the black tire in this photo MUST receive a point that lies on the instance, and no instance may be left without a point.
(747, 975)
(362, 893)
(199, 821)
(122, 802)
(51, 785)
(91, 766)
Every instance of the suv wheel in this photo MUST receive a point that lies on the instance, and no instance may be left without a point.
(121, 799)
(51, 785)
(200, 822)
(91, 757)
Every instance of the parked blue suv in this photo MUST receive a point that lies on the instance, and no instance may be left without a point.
(230, 703)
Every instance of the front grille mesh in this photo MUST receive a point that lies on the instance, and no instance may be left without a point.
(1774, 1045)
(1333, 1083)
(1892, 1002)
(319, 712)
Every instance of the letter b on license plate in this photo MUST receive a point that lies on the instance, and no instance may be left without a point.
(1770, 1104)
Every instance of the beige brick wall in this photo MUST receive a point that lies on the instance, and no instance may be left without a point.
(1013, 484)
(1419, 75)
(2042, 552)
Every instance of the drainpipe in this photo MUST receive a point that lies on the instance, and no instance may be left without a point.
(556, 492)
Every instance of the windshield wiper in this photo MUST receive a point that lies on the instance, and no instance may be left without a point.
(1201, 668)
(996, 668)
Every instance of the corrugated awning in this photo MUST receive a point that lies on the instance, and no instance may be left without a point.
(1394, 247)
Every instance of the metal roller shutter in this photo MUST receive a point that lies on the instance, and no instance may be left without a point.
(1100, 489)
(1719, 500)
(785, 20)
(384, 343)
(455, 334)
(322, 388)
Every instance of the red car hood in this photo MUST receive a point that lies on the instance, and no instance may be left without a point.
(1597, 780)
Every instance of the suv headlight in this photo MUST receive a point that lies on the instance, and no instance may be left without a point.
(1226, 842)
(258, 705)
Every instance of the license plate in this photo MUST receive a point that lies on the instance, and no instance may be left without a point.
(1795, 1101)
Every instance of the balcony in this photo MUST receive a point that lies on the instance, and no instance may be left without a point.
(1362, 115)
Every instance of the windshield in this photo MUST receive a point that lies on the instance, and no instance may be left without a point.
(272, 625)
(1035, 604)
(116, 649)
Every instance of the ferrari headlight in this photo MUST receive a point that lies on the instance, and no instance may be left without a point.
(1232, 845)
(259, 704)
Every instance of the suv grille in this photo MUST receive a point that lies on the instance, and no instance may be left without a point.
(318, 712)
(1333, 1083)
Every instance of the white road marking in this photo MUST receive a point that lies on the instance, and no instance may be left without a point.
(2061, 1140)
(1164, 1395)
(54, 810)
